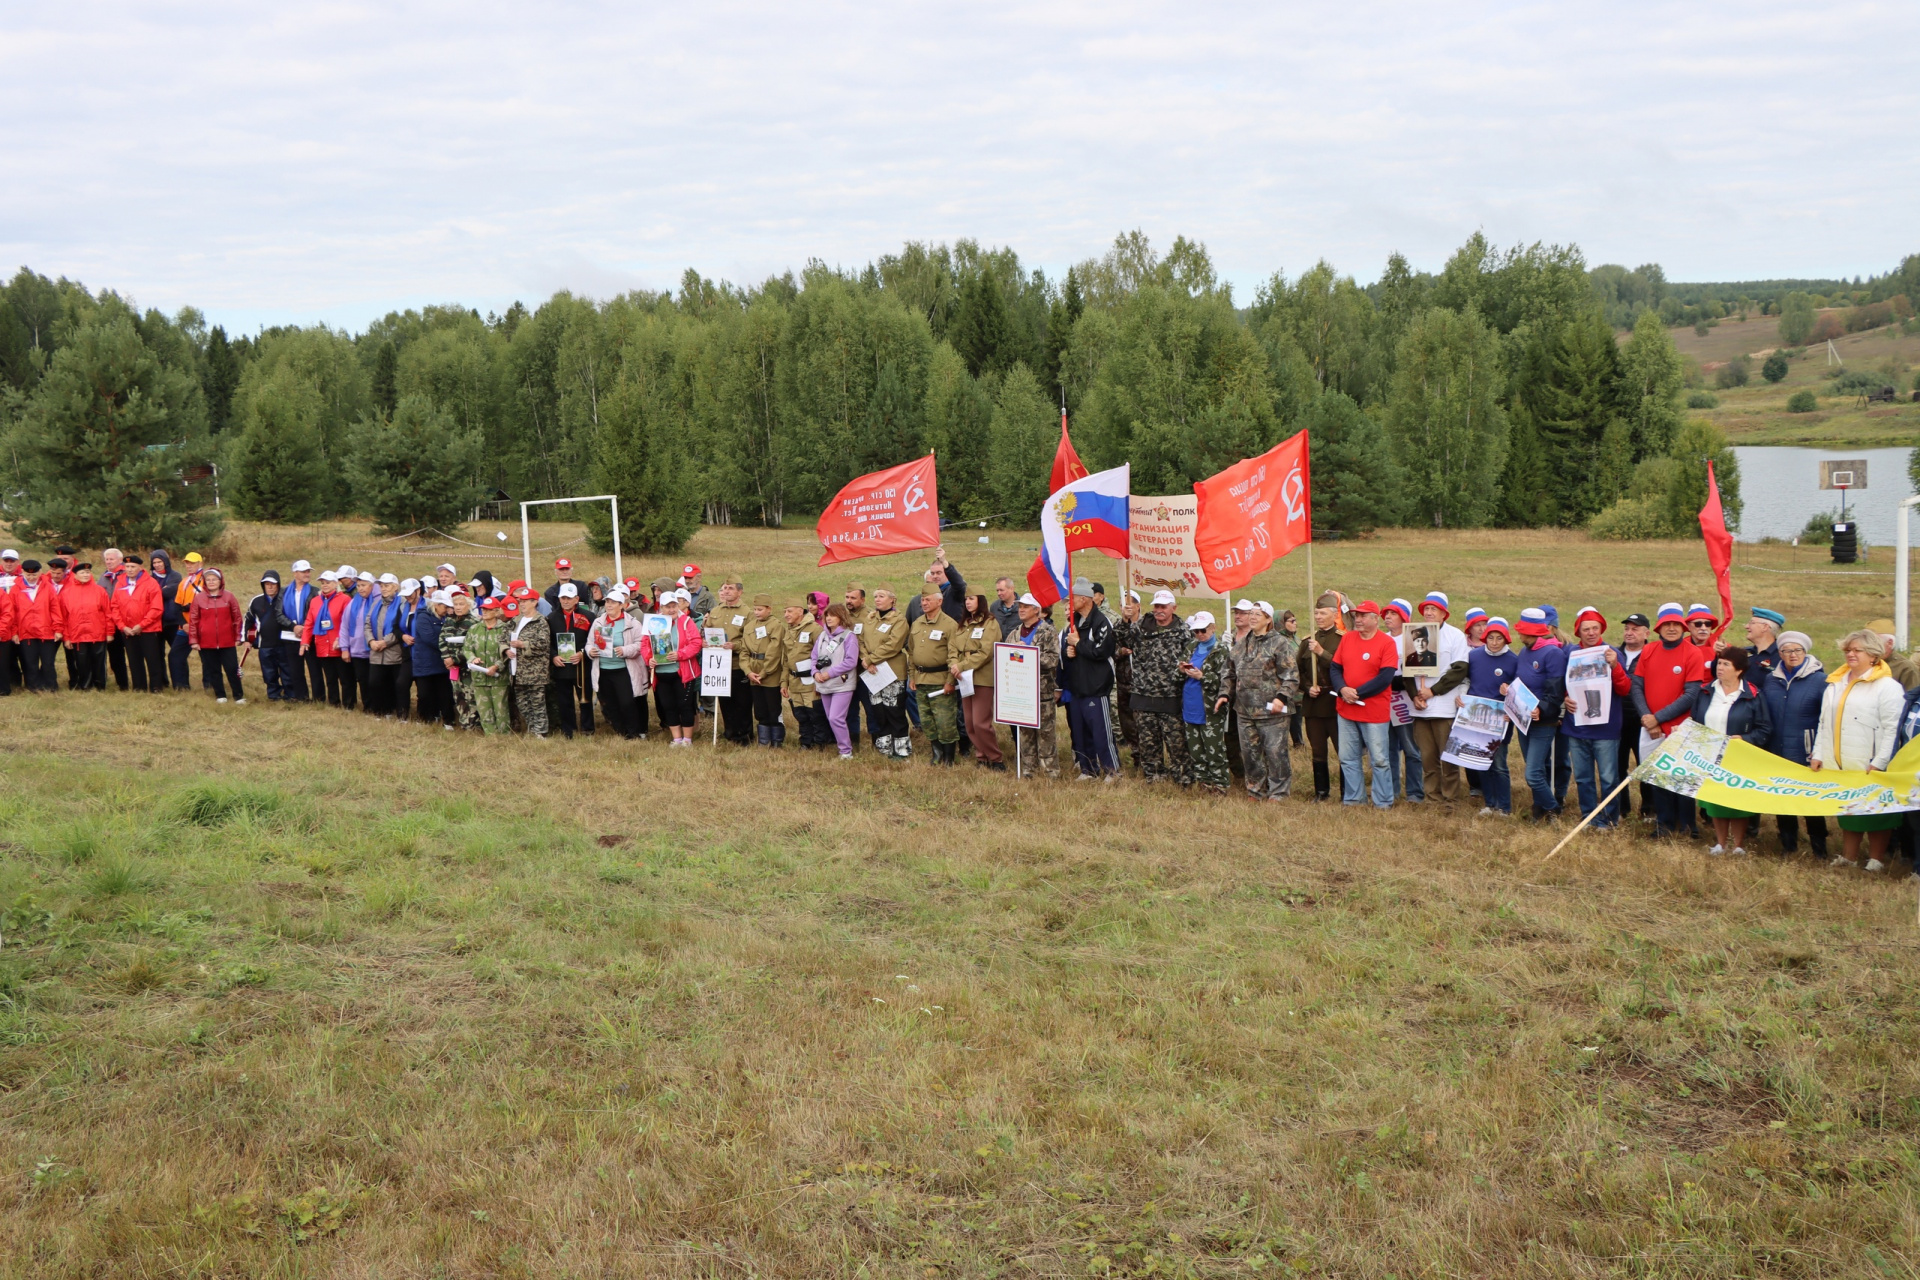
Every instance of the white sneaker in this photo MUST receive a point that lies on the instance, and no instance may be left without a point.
(239, 702)
(1487, 812)
(1874, 864)
(1716, 851)
(1838, 861)
(447, 727)
(1739, 851)
(219, 702)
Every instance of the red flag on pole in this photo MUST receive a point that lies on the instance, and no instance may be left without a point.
(1713, 529)
(1253, 513)
(1067, 468)
(876, 515)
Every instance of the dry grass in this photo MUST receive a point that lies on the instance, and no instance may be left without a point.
(283, 992)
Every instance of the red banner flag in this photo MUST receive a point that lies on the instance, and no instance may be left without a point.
(1067, 468)
(893, 510)
(1253, 513)
(1713, 529)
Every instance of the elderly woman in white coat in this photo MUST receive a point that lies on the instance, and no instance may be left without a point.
(1859, 722)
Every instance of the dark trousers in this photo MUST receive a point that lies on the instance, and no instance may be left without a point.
(675, 699)
(87, 665)
(217, 662)
(1630, 756)
(148, 667)
(312, 677)
(174, 638)
(403, 690)
(560, 704)
(1673, 813)
(1324, 732)
(436, 699)
(1092, 736)
(278, 661)
(117, 659)
(16, 668)
(861, 699)
(36, 661)
(357, 678)
(1790, 833)
(617, 703)
(766, 703)
(812, 721)
(337, 677)
(736, 710)
(383, 687)
(7, 659)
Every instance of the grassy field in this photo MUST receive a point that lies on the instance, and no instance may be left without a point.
(1756, 414)
(287, 993)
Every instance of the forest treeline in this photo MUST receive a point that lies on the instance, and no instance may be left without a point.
(1497, 391)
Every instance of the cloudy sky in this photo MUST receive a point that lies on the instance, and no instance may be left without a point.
(277, 163)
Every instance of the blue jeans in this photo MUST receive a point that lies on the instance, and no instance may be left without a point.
(1596, 772)
(1358, 739)
(1496, 785)
(1404, 765)
(1539, 752)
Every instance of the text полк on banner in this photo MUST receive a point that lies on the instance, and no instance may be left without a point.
(1253, 513)
(1162, 555)
(877, 515)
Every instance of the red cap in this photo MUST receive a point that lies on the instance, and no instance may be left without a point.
(631, 584)
(563, 563)
(689, 570)
(516, 585)
(1589, 612)
(1366, 606)
(521, 591)
(511, 608)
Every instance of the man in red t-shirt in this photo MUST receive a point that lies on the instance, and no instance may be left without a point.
(1665, 678)
(1363, 668)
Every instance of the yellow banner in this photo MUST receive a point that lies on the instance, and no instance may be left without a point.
(1695, 761)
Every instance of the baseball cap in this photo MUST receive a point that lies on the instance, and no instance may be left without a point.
(269, 576)
(193, 557)
(563, 563)
(366, 576)
(387, 579)
(409, 585)
(442, 596)
(568, 589)
(1635, 620)
(301, 566)
(1200, 621)
(1366, 606)
(449, 568)
(510, 607)
(1134, 596)
(328, 575)
(9, 554)
(1029, 601)
(617, 596)
(1163, 596)
(1244, 605)
(346, 571)
(494, 602)
(688, 571)
(1263, 607)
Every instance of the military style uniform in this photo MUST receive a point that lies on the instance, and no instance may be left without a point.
(884, 640)
(929, 658)
(1157, 685)
(1038, 752)
(736, 709)
(1265, 668)
(1322, 710)
(758, 653)
(1123, 685)
(702, 604)
(486, 647)
(531, 670)
(1207, 742)
(796, 649)
(453, 651)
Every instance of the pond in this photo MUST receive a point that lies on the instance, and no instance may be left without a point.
(1780, 489)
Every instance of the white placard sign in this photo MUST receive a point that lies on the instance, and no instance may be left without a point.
(716, 672)
(1016, 685)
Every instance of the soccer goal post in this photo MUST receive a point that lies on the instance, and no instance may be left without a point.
(526, 532)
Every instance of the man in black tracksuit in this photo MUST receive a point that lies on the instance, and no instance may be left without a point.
(1087, 643)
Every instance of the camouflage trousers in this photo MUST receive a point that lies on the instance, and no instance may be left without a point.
(1161, 733)
(490, 703)
(1037, 753)
(465, 713)
(532, 701)
(1267, 756)
(939, 717)
(1207, 750)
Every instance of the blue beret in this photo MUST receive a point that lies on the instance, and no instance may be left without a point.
(1768, 615)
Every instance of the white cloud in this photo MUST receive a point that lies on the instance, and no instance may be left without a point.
(331, 161)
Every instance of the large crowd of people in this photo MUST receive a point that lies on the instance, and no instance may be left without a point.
(1191, 700)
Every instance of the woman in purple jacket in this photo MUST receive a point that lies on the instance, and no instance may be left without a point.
(836, 658)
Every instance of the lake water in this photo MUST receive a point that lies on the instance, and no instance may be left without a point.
(1780, 487)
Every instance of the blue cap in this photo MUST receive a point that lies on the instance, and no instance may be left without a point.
(1768, 615)
(1553, 615)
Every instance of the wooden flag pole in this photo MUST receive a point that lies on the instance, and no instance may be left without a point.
(1597, 811)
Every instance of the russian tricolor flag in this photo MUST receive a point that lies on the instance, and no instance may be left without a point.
(1088, 514)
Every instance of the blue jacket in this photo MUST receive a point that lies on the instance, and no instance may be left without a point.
(1609, 729)
(1544, 670)
(172, 614)
(1486, 673)
(424, 627)
(1746, 718)
(1909, 727)
(294, 600)
(1793, 707)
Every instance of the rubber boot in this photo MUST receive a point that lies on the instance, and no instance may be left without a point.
(779, 733)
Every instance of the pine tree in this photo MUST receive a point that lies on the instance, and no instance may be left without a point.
(892, 434)
(220, 380)
(1578, 399)
(274, 469)
(386, 379)
(1357, 485)
(415, 470)
(659, 509)
(1651, 379)
(981, 330)
(112, 446)
(1526, 483)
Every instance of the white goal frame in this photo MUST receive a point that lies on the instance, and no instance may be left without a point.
(526, 533)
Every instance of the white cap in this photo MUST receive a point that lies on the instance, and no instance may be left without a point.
(474, 583)
(1134, 596)
(1163, 596)
(301, 566)
(346, 571)
(1264, 607)
(385, 579)
(409, 585)
(328, 575)
(568, 589)
(449, 568)
(683, 596)
(442, 596)
(1028, 600)
(1244, 605)
(9, 554)
(1200, 621)
(366, 576)
(619, 595)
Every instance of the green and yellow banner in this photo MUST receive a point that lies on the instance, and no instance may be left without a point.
(1695, 761)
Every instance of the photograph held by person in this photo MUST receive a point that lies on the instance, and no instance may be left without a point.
(623, 666)
(1794, 694)
(1593, 750)
(1730, 704)
(1492, 667)
(1543, 669)
(571, 627)
(215, 625)
(972, 654)
(1859, 724)
(1436, 699)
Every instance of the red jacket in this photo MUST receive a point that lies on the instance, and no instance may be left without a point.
(34, 614)
(137, 603)
(215, 620)
(325, 641)
(85, 613)
(8, 629)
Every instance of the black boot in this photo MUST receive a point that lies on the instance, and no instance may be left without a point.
(762, 735)
(779, 734)
(1322, 781)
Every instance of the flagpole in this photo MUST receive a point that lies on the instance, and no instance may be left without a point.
(1597, 811)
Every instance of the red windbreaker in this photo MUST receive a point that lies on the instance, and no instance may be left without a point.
(215, 620)
(137, 603)
(8, 628)
(85, 613)
(325, 640)
(34, 610)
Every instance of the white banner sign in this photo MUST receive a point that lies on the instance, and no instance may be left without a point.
(716, 672)
(1161, 540)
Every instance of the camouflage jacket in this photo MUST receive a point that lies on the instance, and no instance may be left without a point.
(1048, 642)
(1265, 667)
(531, 668)
(1157, 654)
(1216, 679)
(487, 647)
(453, 638)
